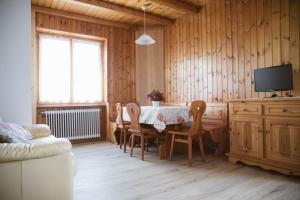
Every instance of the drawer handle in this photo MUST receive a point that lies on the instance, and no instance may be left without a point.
(245, 110)
(284, 110)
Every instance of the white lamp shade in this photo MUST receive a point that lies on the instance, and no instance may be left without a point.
(145, 40)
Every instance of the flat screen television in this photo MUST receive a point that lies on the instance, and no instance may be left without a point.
(277, 78)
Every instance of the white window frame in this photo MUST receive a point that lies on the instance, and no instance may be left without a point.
(102, 61)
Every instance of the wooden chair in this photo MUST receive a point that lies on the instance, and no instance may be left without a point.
(134, 111)
(194, 132)
(122, 125)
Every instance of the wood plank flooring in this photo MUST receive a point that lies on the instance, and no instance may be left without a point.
(105, 172)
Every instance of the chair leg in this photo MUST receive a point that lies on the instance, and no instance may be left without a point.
(142, 146)
(172, 147)
(130, 139)
(132, 144)
(147, 142)
(201, 148)
(190, 150)
(157, 143)
(125, 136)
(121, 138)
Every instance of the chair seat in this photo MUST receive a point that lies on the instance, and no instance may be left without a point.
(147, 133)
(183, 132)
(126, 126)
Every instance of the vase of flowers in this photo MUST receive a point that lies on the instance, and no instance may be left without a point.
(155, 97)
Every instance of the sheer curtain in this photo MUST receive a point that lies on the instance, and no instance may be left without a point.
(86, 71)
(54, 69)
(70, 70)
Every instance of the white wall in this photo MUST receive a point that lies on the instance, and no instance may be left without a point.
(15, 61)
(150, 73)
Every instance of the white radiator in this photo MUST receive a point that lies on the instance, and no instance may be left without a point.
(74, 124)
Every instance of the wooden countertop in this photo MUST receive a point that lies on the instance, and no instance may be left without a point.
(297, 98)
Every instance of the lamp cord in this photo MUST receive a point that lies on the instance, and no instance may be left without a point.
(144, 19)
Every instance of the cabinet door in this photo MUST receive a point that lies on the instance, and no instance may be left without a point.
(283, 139)
(246, 136)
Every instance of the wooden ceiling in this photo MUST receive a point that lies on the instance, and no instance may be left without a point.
(120, 12)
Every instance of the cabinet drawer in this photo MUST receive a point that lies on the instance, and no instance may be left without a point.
(246, 109)
(286, 110)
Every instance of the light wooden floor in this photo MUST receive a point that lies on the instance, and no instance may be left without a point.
(105, 172)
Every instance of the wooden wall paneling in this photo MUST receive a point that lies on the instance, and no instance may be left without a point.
(192, 58)
(123, 74)
(133, 70)
(213, 51)
(150, 72)
(209, 52)
(234, 37)
(168, 67)
(188, 58)
(120, 55)
(200, 59)
(172, 57)
(276, 47)
(181, 62)
(195, 55)
(294, 45)
(229, 49)
(284, 32)
(185, 58)
(241, 55)
(253, 45)
(260, 24)
(223, 47)
(268, 34)
(204, 52)
(219, 51)
(247, 47)
(170, 70)
(235, 59)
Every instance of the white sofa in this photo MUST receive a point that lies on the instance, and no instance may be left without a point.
(41, 170)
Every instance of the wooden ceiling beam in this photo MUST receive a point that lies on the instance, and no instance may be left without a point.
(71, 15)
(178, 5)
(128, 11)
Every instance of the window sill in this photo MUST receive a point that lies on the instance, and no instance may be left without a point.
(67, 105)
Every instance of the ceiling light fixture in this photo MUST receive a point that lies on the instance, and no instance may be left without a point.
(145, 39)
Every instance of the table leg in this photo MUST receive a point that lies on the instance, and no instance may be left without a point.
(164, 149)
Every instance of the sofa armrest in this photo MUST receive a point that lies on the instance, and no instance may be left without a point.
(48, 147)
(39, 130)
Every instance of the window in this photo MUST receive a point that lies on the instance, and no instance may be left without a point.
(70, 70)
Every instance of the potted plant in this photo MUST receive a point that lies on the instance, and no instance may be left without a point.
(155, 96)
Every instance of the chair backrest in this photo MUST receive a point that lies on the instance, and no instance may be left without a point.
(197, 110)
(134, 111)
(119, 120)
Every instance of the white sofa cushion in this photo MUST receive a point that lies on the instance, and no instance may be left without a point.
(40, 147)
(38, 130)
(17, 129)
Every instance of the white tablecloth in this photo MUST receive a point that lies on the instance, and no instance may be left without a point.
(161, 116)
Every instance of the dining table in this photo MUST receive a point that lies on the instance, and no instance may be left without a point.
(166, 117)
(162, 116)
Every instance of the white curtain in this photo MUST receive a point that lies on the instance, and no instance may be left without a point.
(86, 71)
(70, 70)
(54, 69)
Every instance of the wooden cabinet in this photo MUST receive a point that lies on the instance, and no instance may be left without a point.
(283, 139)
(246, 136)
(266, 133)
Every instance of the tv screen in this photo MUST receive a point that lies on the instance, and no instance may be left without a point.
(277, 78)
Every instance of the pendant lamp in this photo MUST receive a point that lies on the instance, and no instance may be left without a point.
(145, 39)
